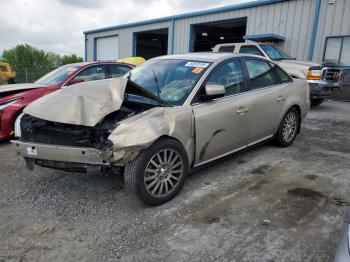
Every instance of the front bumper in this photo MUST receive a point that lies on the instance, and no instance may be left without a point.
(322, 88)
(62, 153)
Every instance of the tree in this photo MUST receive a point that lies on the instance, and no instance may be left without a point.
(69, 59)
(31, 63)
(27, 56)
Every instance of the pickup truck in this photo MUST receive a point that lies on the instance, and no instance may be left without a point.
(322, 78)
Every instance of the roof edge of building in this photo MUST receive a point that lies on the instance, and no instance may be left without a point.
(187, 15)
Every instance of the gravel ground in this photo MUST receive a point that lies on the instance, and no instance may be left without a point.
(265, 204)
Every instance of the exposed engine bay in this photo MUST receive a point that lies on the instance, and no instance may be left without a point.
(46, 132)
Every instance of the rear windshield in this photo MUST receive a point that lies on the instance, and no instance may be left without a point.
(226, 49)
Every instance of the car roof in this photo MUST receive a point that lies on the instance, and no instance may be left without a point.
(241, 43)
(205, 56)
(81, 64)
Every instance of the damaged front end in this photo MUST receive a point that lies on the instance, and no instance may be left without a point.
(74, 148)
(76, 140)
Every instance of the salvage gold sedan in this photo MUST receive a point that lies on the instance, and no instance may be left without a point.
(168, 116)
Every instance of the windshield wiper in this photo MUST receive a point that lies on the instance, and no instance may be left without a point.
(157, 83)
(136, 89)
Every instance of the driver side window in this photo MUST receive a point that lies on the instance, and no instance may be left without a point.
(230, 75)
(91, 73)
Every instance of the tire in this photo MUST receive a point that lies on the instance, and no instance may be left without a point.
(11, 81)
(288, 128)
(167, 166)
(317, 102)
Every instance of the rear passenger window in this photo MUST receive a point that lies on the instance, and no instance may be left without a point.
(230, 75)
(282, 76)
(260, 74)
(118, 70)
(250, 49)
(226, 49)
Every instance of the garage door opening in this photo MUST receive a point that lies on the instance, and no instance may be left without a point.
(151, 43)
(206, 36)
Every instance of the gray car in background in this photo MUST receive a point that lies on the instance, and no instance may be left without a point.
(343, 250)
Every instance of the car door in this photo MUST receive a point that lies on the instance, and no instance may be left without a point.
(266, 99)
(221, 124)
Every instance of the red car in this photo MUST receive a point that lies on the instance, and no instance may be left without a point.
(13, 98)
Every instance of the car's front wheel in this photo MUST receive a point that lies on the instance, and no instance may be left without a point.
(158, 173)
(288, 128)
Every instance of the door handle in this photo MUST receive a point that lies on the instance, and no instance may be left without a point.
(281, 99)
(242, 111)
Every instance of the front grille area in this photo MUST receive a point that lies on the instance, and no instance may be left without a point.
(41, 131)
(331, 74)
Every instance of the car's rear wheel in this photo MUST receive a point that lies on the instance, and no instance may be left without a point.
(288, 128)
(317, 102)
(158, 173)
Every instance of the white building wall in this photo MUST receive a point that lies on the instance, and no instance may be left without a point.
(334, 21)
(292, 19)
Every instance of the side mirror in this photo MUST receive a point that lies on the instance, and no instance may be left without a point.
(212, 92)
(75, 81)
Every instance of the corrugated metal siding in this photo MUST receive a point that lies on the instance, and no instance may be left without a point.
(292, 19)
(125, 38)
(289, 18)
(334, 21)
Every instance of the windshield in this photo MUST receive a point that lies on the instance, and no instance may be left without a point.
(171, 80)
(58, 75)
(275, 53)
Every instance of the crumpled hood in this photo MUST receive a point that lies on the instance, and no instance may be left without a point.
(19, 87)
(80, 104)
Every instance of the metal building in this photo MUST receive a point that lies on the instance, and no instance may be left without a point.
(315, 30)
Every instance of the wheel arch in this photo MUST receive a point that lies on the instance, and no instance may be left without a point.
(173, 138)
(297, 107)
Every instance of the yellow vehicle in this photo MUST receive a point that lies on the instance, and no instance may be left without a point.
(132, 60)
(7, 73)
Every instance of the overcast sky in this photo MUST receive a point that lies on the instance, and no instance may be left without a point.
(58, 25)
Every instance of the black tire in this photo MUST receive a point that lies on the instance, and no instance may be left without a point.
(283, 138)
(135, 174)
(317, 102)
(11, 81)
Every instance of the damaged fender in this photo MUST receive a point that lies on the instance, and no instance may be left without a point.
(142, 130)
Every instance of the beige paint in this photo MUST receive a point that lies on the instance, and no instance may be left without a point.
(140, 131)
(80, 104)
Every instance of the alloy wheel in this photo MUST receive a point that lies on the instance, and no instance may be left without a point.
(163, 172)
(289, 127)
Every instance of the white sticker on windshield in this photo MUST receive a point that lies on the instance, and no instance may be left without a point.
(197, 64)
